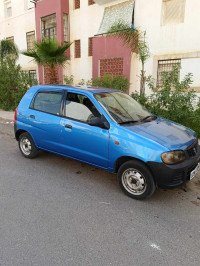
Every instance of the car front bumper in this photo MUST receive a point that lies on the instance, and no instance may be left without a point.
(171, 176)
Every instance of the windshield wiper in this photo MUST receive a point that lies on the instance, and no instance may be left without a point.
(129, 121)
(147, 117)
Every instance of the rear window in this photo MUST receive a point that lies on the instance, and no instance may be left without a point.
(48, 102)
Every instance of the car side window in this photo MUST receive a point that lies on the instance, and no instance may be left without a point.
(79, 107)
(48, 102)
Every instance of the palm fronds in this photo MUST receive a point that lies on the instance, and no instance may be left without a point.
(49, 52)
(124, 32)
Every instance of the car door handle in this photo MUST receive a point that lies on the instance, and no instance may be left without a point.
(32, 116)
(68, 126)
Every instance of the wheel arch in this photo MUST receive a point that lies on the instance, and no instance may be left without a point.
(19, 132)
(124, 159)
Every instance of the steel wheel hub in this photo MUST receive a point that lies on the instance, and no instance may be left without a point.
(25, 146)
(134, 181)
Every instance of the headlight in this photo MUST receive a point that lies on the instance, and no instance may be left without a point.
(173, 157)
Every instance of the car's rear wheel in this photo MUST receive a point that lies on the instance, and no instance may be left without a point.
(27, 146)
(136, 180)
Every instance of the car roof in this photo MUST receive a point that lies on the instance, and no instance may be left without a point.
(90, 89)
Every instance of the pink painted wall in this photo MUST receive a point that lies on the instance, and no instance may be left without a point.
(110, 47)
(45, 8)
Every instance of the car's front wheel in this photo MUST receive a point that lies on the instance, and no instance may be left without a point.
(136, 180)
(27, 146)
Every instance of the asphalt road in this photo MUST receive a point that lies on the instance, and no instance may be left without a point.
(56, 211)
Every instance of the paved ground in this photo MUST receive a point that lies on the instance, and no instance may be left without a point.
(6, 114)
(55, 211)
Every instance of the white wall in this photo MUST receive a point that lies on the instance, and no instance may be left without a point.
(21, 21)
(170, 41)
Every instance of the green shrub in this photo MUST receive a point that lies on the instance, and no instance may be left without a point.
(110, 81)
(81, 82)
(173, 100)
(69, 80)
(13, 84)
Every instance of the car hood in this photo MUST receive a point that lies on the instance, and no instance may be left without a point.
(165, 132)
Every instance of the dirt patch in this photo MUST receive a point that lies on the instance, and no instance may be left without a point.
(197, 183)
(196, 203)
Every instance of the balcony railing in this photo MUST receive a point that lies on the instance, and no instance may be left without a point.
(49, 33)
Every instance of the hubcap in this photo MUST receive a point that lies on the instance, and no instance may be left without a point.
(134, 181)
(25, 146)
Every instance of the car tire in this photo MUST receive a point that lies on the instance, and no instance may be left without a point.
(135, 180)
(27, 146)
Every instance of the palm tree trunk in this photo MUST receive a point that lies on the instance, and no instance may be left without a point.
(51, 75)
(142, 81)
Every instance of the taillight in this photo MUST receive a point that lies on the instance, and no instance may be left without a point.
(15, 115)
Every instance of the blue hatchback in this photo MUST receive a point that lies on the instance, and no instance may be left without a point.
(108, 129)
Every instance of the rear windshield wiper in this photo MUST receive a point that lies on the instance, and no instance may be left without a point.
(153, 117)
(128, 122)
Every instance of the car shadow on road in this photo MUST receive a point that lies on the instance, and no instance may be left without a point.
(97, 178)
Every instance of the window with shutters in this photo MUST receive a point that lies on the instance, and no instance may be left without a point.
(173, 12)
(76, 4)
(90, 46)
(167, 66)
(30, 39)
(90, 2)
(77, 46)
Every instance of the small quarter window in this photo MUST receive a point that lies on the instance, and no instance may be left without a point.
(48, 102)
(80, 108)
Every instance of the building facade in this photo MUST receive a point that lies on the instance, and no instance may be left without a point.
(171, 26)
(17, 24)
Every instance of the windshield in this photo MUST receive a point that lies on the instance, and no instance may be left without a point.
(122, 107)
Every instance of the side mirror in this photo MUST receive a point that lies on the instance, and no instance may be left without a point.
(99, 122)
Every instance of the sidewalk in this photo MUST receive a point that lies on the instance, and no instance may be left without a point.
(7, 115)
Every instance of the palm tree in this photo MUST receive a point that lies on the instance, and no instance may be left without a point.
(50, 54)
(137, 43)
(8, 48)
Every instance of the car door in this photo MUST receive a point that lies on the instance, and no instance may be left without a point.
(80, 140)
(44, 120)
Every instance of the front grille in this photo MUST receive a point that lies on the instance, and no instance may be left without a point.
(177, 179)
(192, 149)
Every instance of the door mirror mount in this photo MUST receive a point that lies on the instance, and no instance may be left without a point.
(99, 122)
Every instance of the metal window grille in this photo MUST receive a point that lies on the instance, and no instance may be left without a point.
(76, 4)
(90, 46)
(48, 24)
(167, 66)
(173, 11)
(66, 28)
(30, 39)
(77, 46)
(33, 75)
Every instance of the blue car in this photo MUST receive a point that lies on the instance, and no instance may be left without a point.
(108, 129)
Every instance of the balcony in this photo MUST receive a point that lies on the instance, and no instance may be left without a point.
(48, 26)
(49, 33)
